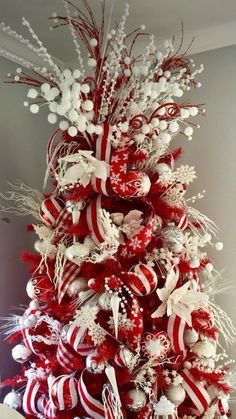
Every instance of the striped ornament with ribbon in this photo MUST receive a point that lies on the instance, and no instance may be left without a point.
(28, 341)
(92, 407)
(75, 337)
(50, 412)
(196, 391)
(175, 331)
(63, 392)
(183, 222)
(30, 397)
(70, 273)
(66, 356)
(102, 153)
(95, 226)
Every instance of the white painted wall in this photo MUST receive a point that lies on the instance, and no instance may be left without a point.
(212, 151)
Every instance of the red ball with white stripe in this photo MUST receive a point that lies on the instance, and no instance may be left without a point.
(63, 392)
(144, 280)
(50, 209)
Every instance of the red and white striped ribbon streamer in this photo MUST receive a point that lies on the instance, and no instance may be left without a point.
(183, 222)
(28, 341)
(93, 219)
(175, 331)
(70, 272)
(50, 210)
(75, 337)
(92, 407)
(195, 390)
(223, 408)
(63, 392)
(102, 153)
(65, 356)
(30, 397)
(50, 412)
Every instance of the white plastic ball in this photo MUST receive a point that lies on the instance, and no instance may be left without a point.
(162, 125)
(63, 125)
(174, 126)
(91, 129)
(92, 62)
(88, 105)
(127, 72)
(176, 394)
(13, 400)
(72, 131)
(20, 353)
(142, 27)
(93, 42)
(99, 129)
(165, 138)
(190, 337)
(52, 118)
(219, 246)
(45, 87)
(34, 108)
(194, 263)
(78, 285)
(204, 349)
(32, 93)
(184, 113)
(53, 106)
(85, 88)
(138, 398)
(93, 365)
(155, 122)
(67, 73)
(26, 103)
(73, 115)
(188, 131)
(209, 267)
(76, 74)
(193, 111)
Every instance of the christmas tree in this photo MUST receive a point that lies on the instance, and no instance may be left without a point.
(122, 321)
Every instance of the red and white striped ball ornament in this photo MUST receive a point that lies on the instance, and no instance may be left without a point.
(137, 183)
(50, 209)
(63, 392)
(144, 281)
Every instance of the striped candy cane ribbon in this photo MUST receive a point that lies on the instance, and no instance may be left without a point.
(183, 222)
(223, 408)
(30, 397)
(70, 272)
(175, 331)
(50, 210)
(66, 356)
(102, 153)
(63, 392)
(28, 341)
(75, 336)
(97, 231)
(92, 407)
(50, 412)
(195, 390)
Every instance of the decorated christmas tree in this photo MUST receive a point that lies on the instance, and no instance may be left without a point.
(122, 321)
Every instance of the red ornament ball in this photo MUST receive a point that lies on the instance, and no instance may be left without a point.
(63, 392)
(138, 184)
(144, 280)
(40, 288)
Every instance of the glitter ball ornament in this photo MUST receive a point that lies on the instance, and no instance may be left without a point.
(164, 409)
(63, 392)
(176, 394)
(93, 365)
(78, 285)
(190, 337)
(105, 301)
(172, 236)
(20, 353)
(13, 400)
(144, 281)
(205, 349)
(123, 357)
(138, 399)
(138, 184)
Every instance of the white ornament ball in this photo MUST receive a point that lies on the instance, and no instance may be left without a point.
(164, 170)
(85, 88)
(73, 115)
(188, 131)
(93, 42)
(72, 131)
(76, 74)
(32, 93)
(139, 399)
(76, 287)
(176, 394)
(184, 113)
(98, 129)
(92, 62)
(219, 246)
(193, 111)
(190, 337)
(13, 400)
(209, 267)
(63, 125)
(174, 126)
(20, 353)
(194, 263)
(88, 105)
(34, 108)
(204, 349)
(52, 118)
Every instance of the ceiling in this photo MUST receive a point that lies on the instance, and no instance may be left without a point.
(212, 22)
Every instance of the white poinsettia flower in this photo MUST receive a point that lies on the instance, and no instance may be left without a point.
(180, 301)
(85, 165)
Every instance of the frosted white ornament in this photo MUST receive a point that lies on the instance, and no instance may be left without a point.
(76, 73)
(92, 62)
(164, 407)
(85, 88)
(190, 337)
(138, 398)
(20, 353)
(219, 246)
(88, 105)
(93, 42)
(63, 125)
(176, 394)
(34, 108)
(142, 27)
(72, 131)
(188, 131)
(32, 93)
(73, 115)
(61, 109)
(174, 126)
(13, 400)
(78, 285)
(52, 118)
(204, 349)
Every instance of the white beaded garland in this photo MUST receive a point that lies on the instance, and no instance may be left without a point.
(34, 108)
(32, 93)
(72, 131)
(52, 118)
